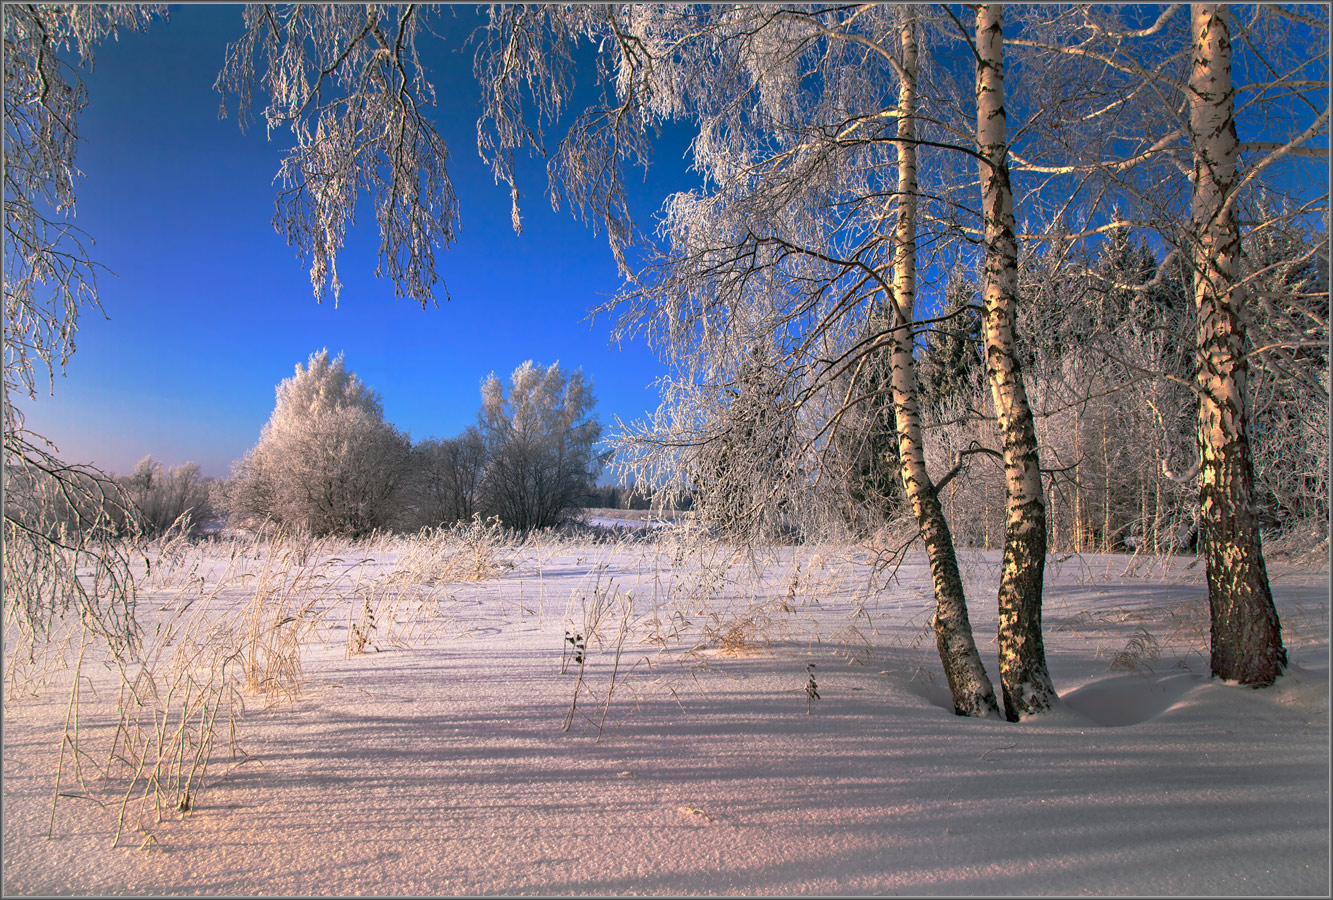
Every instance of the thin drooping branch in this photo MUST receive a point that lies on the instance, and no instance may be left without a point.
(347, 84)
(58, 517)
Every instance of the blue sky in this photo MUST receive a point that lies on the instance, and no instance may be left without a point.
(210, 308)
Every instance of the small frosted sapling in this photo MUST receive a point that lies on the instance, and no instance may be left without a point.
(811, 689)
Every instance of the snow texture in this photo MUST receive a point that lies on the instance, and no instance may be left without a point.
(439, 766)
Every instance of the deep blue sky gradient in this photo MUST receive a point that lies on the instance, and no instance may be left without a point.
(210, 309)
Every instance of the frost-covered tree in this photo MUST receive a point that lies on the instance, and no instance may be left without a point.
(740, 473)
(951, 365)
(539, 439)
(326, 462)
(1113, 371)
(864, 448)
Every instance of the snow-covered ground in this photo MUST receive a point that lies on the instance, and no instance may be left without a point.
(436, 760)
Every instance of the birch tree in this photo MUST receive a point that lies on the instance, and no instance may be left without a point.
(1026, 685)
(1169, 148)
(1246, 634)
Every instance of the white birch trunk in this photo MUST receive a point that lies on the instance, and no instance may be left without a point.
(1024, 679)
(1246, 634)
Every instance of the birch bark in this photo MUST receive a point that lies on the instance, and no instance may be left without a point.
(1246, 634)
(1024, 679)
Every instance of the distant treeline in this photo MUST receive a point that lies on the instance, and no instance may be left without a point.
(619, 497)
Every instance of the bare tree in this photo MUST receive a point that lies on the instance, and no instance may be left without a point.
(446, 478)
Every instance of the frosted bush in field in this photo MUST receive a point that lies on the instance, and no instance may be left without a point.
(161, 497)
(474, 551)
(539, 438)
(326, 462)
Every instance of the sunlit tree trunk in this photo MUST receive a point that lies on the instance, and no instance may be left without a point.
(1078, 489)
(1107, 529)
(1246, 634)
(1024, 679)
(970, 686)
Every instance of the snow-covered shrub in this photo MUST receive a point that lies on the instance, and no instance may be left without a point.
(475, 551)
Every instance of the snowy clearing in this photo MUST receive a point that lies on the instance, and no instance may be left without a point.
(427, 754)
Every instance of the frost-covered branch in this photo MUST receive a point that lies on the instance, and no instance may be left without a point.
(347, 84)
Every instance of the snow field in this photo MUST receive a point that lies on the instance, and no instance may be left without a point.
(434, 759)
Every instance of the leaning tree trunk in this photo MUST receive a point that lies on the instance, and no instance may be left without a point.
(1246, 634)
(970, 686)
(1024, 680)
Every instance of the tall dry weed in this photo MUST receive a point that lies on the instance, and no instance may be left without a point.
(224, 631)
(475, 551)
